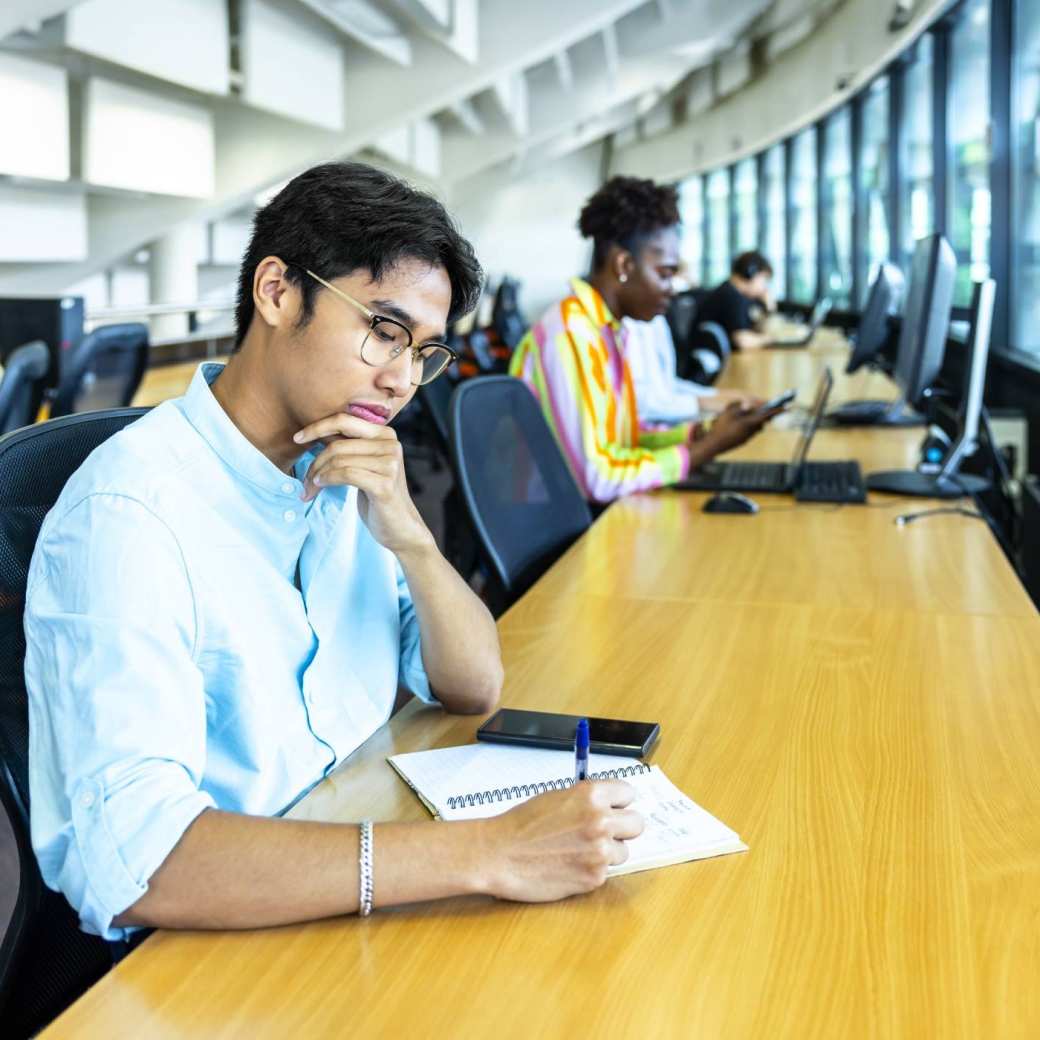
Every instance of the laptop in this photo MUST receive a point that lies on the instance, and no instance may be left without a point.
(810, 481)
(819, 315)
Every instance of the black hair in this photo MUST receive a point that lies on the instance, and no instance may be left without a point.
(625, 212)
(342, 217)
(748, 264)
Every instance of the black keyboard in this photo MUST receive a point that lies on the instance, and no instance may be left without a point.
(755, 476)
(831, 482)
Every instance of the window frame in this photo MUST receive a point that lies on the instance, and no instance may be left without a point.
(1002, 69)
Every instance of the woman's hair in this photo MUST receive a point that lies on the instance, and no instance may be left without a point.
(343, 217)
(625, 212)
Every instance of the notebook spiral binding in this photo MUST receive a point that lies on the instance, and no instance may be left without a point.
(507, 794)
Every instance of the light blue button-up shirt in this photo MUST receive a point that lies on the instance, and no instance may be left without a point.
(173, 663)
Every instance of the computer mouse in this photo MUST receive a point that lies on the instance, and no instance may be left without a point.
(730, 502)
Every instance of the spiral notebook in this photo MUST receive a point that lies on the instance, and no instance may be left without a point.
(480, 780)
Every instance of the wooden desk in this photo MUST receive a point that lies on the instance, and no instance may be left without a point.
(661, 546)
(877, 753)
(166, 381)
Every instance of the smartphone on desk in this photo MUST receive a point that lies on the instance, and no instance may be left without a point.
(780, 401)
(549, 730)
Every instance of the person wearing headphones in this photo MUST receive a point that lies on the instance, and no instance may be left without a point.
(731, 304)
(574, 357)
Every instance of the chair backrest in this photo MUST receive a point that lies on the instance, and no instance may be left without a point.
(681, 315)
(518, 489)
(21, 388)
(435, 400)
(45, 960)
(480, 347)
(709, 352)
(506, 317)
(104, 371)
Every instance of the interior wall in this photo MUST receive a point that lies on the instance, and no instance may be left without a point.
(523, 223)
(831, 64)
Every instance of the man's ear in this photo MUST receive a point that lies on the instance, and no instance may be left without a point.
(275, 299)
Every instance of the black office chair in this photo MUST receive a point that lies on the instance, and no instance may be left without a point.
(45, 960)
(480, 347)
(104, 371)
(681, 317)
(506, 318)
(517, 487)
(435, 401)
(22, 385)
(709, 353)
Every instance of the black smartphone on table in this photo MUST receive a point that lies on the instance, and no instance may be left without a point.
(780, 401)
(549, 730)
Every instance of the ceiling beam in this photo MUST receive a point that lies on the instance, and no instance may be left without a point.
(564, 69)
(466, 113)
(610, 52)
(432, 15)
(513, 98)
(365, 23)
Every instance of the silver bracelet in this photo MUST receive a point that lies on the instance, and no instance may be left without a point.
(365, 884)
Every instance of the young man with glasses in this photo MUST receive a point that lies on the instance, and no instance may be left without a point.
(229, 593)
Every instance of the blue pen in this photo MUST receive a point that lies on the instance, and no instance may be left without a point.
(581, 751)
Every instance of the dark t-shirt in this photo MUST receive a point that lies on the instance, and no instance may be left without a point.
(728, 307)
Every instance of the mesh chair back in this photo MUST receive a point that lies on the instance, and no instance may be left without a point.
(682, 311)
(480, 347)
(104, 371)
(505, 316)
(709, 352)
(21, 388)
(45, 960)
(518, 489)
(435, 400)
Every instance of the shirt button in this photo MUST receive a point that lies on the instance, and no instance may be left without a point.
(289, 515)
(288, 488)
(86, 799)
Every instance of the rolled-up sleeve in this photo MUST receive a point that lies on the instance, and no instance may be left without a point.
(411, 669)
(117, 707)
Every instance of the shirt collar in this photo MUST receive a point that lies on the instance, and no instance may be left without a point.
(214, 425)
(593, 304)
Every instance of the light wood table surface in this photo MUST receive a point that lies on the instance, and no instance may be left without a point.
(165, 381)
(876, 751)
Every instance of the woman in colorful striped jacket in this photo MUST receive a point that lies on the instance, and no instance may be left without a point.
(573, 358)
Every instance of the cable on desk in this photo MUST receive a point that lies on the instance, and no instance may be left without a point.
(908, 518)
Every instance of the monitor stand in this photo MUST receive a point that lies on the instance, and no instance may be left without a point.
(926, 485)
(875, 413)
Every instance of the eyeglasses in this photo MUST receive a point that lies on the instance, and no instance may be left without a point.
(387, 339)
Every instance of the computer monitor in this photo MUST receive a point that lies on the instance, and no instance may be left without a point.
(875, 326)
(58, 321)
(926, 318)
(949, 482)
(922, 340)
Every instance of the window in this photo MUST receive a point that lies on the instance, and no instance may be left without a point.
(718, 261)
(836, 243)
(803, 217)
(1025, 237)
(968, 163)
(773, 237)
(691, 210)
(745, 205)
(916, 202)
(873, 166)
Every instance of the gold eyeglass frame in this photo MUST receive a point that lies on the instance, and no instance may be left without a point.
(375, 319)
